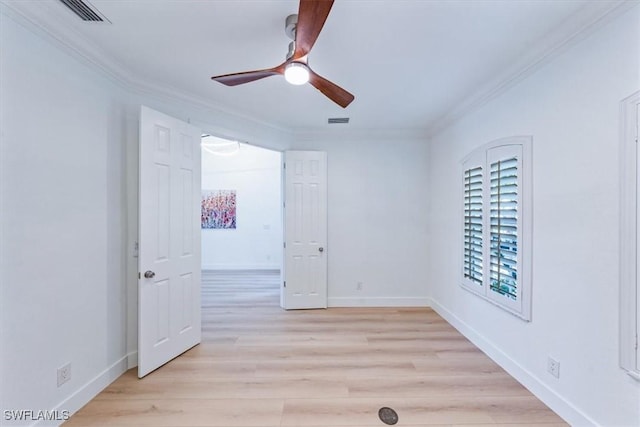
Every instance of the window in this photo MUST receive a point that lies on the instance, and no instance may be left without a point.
(630, 237)
(497, 224)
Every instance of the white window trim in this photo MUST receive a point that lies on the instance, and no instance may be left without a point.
(480, 157)
(629, 217)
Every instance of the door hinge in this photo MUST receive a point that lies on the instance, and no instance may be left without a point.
(284, 245)
(284, 165)
(285, 283)
(636, 341)
(139, 276)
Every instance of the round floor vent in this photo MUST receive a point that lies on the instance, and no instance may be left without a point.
(388, 416)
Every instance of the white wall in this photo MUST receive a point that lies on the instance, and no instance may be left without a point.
(377, 195)
(256, 243)
(63, 225)
(571, 107)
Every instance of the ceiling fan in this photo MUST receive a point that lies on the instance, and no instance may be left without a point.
(303, 29)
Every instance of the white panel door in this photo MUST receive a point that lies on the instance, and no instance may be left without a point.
(169, 256)
(305, 254)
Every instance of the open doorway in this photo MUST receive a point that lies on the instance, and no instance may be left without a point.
(241, 224)
(173, 312)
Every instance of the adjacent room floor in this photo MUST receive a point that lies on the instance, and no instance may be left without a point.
(259, 365)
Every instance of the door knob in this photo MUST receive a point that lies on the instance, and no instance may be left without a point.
(149, 274)
(321, 249)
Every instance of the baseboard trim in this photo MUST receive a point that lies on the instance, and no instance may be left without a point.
(84, 394)
(378, 302)
(557, 403)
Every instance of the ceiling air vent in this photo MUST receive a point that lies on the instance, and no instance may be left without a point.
(84, 11)
(337, 120)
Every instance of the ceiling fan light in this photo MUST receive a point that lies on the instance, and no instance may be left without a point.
(296, 73)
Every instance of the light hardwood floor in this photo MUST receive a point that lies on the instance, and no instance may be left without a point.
(259, 365)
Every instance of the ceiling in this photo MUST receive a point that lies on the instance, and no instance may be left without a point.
(412, 65)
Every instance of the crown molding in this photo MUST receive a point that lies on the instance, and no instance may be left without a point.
(45, 21)
(335, 131)
(39, 18)
(576, 28)
(172, 94)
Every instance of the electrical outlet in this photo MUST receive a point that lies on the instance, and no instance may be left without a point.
(64, 374)
(359, 286)
(553, 367)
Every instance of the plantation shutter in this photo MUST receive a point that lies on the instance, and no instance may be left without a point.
(497, 224)
(503, 259)
(473, 189)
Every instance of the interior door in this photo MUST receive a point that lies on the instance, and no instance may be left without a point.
(169, 252)
(305, 230)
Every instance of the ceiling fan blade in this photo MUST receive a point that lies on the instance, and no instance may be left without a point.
(236, 79)
(331, 90)
(311, 17)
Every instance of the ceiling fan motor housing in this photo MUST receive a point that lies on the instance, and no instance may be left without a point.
(290, 24)
(292, 50)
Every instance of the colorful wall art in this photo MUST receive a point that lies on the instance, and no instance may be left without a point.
(218, 209)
